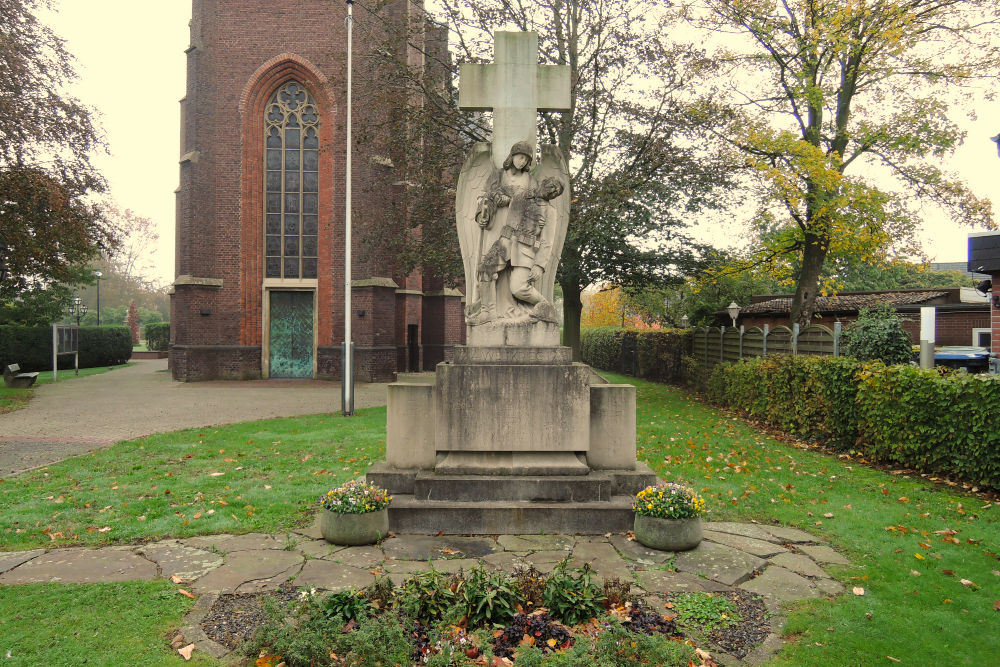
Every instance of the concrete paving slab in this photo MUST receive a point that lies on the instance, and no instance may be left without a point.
(424, 547)
(82, 566)
(312, 531)
(790, 535)
(317, 548)
(11, 559)
(824, 554)
(800, 564)
(505, 560)
(328, 576)
(452, 565)
(781, 585)
(830, 587)
(718, 562)
(661, 581)
(522, 543)
(256, 566)
(750, 545)
(175, 558)
(588, 552)
(406, 566)
(745, 529)
(232, 543)
(361, 557)
(637, 553)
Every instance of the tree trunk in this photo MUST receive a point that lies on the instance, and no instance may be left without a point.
(804, 302)
(572, 308)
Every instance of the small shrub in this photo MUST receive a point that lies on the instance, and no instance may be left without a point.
(877, 334)
(489, 597)
(429, 596)
(158, 336)
(345, 606)
(705, 610)
(530, 584)
(571, 594)
(618, 646)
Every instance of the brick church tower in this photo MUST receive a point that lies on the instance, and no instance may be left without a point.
(260, 208)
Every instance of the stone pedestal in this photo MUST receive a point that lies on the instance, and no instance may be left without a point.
(511, 440)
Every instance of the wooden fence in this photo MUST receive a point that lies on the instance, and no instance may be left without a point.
(714, 345)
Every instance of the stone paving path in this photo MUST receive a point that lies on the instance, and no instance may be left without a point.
(779, 563)
(73, 417)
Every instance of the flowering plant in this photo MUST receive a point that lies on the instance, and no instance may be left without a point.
(668, 501)
(355, 497)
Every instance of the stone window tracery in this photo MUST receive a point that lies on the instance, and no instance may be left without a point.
(291, 183)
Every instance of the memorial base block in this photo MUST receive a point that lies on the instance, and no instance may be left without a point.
(511, 440)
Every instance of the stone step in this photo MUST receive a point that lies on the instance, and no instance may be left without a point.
(411, 515)
(596, 486)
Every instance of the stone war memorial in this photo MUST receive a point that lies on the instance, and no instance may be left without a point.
(512, 436)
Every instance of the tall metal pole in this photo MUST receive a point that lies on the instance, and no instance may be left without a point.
(347, 393)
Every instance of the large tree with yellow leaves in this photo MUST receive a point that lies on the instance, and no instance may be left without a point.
(840, 111)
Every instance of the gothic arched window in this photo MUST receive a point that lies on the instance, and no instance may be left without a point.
(291, 183)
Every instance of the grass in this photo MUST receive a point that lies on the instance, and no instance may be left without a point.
(253, 476)
(913, 609)
(15, 399)
(97, 624)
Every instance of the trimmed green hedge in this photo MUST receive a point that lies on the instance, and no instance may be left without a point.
(943, 423)
(660, 352)
(158, 336)
(31, 347)
(936, 422)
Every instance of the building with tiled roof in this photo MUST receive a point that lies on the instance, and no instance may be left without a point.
(962, 314)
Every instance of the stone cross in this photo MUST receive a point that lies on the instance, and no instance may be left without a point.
(516, 88)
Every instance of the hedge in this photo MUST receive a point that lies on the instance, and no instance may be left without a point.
(158, 336)
(942, 423)
(660, 352)
(934, 421)
(31, 347)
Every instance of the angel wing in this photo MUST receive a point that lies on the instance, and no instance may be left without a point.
(471, 184)
(553, 164)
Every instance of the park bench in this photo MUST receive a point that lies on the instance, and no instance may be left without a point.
(14, 379)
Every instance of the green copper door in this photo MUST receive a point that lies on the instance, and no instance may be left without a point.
(291, 335)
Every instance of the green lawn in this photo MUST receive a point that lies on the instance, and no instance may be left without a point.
(15, 399)
(93, 624)
(915, 607)
(254, 476)
(262, 476)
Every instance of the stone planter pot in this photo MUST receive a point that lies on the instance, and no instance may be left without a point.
(354, 529)
(668, 534)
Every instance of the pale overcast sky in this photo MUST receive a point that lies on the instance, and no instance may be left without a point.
(131, 62)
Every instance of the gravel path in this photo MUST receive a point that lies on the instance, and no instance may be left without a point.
(73, 417)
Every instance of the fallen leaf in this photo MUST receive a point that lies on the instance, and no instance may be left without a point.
(915, 573)
(925, 545)
(996, 605)
(946, 532)
(903, 499)
(187, 594)
(216, 474)
(177, 580)
(857, 590)
(229, 460)
(141, 518)
(948, 572)
(186, 651)
(967, 583)
(828, 515)
(918, 556)
(104, 530)
(893, 659)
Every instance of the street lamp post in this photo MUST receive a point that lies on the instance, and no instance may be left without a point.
(98, 274)
(77, 309)
(734, 311)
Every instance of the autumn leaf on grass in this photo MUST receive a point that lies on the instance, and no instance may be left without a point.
(216, 474)
(857, 590)
(918, 556)
(967, 583)
(187, 594)
(186, 651)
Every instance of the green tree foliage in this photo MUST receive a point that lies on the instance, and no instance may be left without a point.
(877, 334)
(829, 99)
(635, 173)
(48, 227)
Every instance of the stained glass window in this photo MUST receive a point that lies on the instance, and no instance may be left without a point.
(291, 183)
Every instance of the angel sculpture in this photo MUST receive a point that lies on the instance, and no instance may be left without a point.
(511, 226)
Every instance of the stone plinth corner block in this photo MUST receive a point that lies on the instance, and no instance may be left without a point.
(409, 425)
(612, 427)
